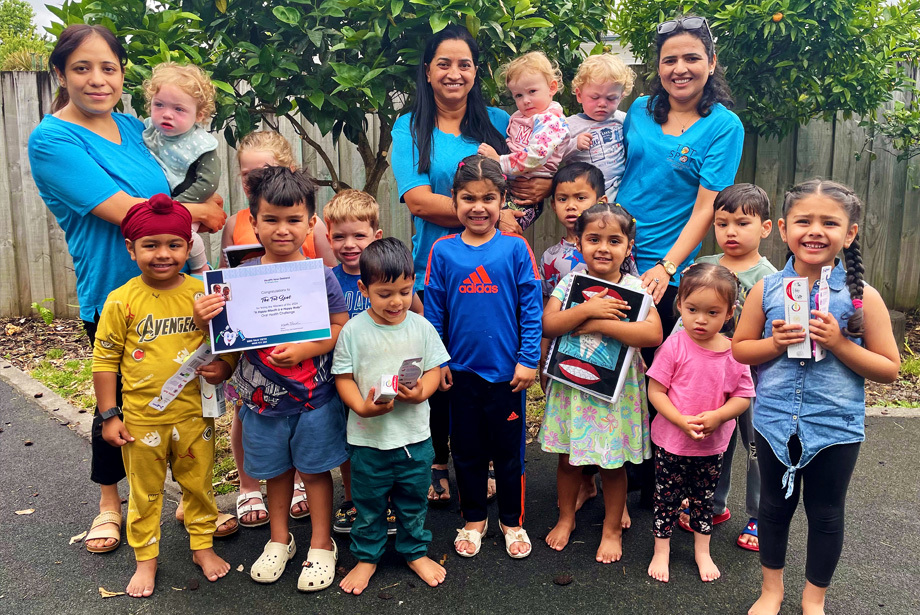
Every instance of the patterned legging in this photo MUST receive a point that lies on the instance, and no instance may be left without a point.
(677, 477)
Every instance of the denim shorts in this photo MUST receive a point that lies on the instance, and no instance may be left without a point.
(312, 441)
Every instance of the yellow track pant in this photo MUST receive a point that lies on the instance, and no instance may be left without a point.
(188, 446)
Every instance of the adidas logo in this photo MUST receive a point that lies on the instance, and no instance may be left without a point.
(513, 416)
(478, 282)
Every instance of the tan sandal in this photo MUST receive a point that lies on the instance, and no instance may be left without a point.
(223, 518)
(96, 532)
(471, 536)
(513, 536)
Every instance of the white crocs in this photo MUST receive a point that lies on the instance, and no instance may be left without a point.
(270, 565)
(470, 536)
(318, 571)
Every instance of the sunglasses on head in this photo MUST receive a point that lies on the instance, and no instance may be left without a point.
(688, 23)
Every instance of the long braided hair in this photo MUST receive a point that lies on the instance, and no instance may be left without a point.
(852, 256)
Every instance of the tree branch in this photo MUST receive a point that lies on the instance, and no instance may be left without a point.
(302, 133)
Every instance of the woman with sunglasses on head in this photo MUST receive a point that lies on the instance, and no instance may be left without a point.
(683, 147)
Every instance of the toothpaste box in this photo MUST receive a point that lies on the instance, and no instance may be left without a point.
(386, 389)
(822, 304)
(798, 313)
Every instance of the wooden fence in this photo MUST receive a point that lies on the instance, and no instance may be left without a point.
(35, 264)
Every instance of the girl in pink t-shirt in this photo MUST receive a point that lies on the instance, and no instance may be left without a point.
(698, 389)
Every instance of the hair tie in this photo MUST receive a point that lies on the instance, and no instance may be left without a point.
(504, 177)
(461, 164)
(857, 304)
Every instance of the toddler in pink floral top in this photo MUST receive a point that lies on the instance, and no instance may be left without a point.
(537, 130)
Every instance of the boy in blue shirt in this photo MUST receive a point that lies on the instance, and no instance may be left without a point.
(291, 414)
(390, 441)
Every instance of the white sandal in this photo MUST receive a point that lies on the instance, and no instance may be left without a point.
(243, 509)
(270, 565)
(513, 536)
(470, 536)
(318, 571)
(297, 500)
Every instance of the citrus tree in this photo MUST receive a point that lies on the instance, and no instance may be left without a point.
(788, 61)
(332, 62)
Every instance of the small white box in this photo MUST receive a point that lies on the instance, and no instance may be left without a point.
(386, 389)
(798, 313)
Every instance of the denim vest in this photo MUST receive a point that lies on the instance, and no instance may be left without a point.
(824, 402)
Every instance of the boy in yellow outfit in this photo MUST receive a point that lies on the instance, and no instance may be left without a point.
(146, 332)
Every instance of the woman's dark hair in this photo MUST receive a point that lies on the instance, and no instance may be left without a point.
(600, 212)
(71, 38)
(715, 91)
(750, 199)
(385, 260)
(282, 187)
(478, 168)
(572, 171)
(850, 204)
(475, 124)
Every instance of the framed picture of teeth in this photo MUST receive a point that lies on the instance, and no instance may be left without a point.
(594, 363)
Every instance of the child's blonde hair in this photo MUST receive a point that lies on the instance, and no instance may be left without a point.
(604, 68)
(530, 63)
(188, 78)
(352, 205)
(268, 141)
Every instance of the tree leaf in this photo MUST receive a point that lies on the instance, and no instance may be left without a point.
(317, 98)
(438, 22)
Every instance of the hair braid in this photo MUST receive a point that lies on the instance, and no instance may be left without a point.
(855, 282)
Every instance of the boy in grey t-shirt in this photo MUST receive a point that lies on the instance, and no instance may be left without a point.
(390, 441)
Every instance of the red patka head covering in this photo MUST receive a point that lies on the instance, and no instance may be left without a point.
(159, 216)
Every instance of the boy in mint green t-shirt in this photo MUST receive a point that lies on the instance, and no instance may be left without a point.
(390, 441)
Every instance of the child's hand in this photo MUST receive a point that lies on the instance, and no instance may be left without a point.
(786, 335)
(602, 306)
(372, 408)
(415, 395)
(115, 433)
(708, 421)
(523, 378)
(488, 151)
(825, 329)
(206, 308)
(447, 379)
(693, 427)
(286, 355)
(584, 141)
(216, 371)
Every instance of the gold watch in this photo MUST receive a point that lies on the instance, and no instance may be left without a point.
(669, 267)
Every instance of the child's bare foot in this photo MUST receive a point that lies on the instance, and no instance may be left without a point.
(141, 584)
(813, 599)
(558, 537)
(658, 568)
(180, 512)
(586, 491)
(356, 581)
(708, 569)
(611, 549)
(626, 520)
(769, 603)
(428, 570)
(212, 565)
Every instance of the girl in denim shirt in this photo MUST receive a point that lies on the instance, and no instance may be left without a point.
(809, 414)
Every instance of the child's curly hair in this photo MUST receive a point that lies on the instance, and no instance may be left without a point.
(604, 68)
(530, 63)
(271, 142)
(188, 78)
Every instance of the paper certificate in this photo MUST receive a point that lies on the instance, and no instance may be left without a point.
(267, 305)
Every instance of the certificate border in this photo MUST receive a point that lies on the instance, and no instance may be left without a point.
(216, 276)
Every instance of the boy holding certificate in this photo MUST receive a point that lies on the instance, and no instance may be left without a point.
(390, 438)
(291, 414)
(146, 332)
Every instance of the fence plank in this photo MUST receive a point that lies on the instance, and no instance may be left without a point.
(907, 293)
(10, 291)
(775, 173)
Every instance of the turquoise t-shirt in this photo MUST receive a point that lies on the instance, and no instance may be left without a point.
(75, 170)
(664, 173)
(368, 351)
(446, 153)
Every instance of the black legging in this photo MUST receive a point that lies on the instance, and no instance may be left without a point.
(439, 417)
(106, 467)
(825, 479)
